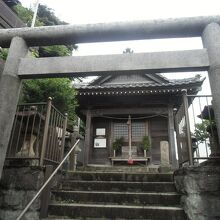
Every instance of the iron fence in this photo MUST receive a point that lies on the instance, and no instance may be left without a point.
(204, 135)
(181, 135)
(55, 135)
(38, 133)
(196, 132)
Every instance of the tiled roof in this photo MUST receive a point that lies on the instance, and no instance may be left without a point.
(170, 84)
(100, 78)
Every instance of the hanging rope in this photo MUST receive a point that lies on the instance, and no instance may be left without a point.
(139, 118)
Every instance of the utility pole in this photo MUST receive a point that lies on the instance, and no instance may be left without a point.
(35, 13)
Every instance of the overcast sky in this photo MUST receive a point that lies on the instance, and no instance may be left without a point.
(96, 11)
(93, 11)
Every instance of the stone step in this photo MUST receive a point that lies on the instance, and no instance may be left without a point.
(84, 218)
(133, 168)
(116, 211)
(120, 176)
(121, 198)
(124, 186)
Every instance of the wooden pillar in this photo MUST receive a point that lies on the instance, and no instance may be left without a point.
(46, 128)
(65, 121)
(10, 85)
(72, 155)
(45, 196)
(171, 136)
(178, 143)
(188, 133)
(110, 138)
(87, 144)
(129, 135)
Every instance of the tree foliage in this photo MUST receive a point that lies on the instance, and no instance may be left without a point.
(201, 133)
(60, 90)
(48, 18)
(145, 143)
(3, 53)
(11, 3)
(117, 144)
(54, 51)
(26, 15)
(128, 50)
(45, 17)
(38, 90)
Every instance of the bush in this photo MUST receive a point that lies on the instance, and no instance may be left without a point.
(117, 144)
(145, 143)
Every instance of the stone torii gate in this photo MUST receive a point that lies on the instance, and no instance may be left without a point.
(18, 67)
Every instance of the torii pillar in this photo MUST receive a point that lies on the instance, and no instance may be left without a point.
(211, 41)
(10, 85)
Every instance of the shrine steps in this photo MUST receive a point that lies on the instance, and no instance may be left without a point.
(120, 198)
(119, 211)
(120, 176)
(116, 195)
(128, 186)
(141, 168)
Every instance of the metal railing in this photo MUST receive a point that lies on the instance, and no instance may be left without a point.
(204, 135)
(182, 124)
(47, 181)
(197, 138)
(181, 135)
(38, 133)
(54, 136)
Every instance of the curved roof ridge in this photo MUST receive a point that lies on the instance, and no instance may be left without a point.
(101, 79)
(195, 78)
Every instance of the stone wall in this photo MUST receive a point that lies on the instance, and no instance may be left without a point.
(200, 189)
(17, 187)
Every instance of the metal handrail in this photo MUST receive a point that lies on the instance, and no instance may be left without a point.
(199, 95)
(48, 180)
(33, 103)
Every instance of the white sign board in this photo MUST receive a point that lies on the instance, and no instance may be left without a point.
(100, 131)
(100, 143)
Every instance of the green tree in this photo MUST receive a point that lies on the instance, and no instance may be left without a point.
(3, 53)
(11, 3)
(145, 143)
(61, 91)
(201, 133)
(45, 17)
(38, 90)
(26, 15)
(54, 51)
(128, 50)
(48, 18)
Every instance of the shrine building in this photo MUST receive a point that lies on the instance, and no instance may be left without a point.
(148, 101)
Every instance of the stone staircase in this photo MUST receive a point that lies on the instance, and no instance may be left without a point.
(113, 194)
